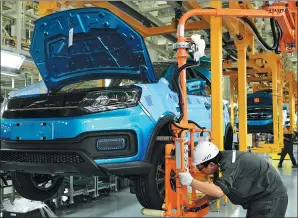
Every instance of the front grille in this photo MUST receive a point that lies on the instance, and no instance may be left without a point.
(41, 157)
(258, 117)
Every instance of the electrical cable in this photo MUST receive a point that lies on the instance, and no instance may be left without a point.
(179, 70)
(193, 122)
(274, 25)
(276, 35)
(197, 125)
(180, 127)
(280, 35)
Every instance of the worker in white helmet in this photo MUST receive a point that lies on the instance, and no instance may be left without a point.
(247, 180)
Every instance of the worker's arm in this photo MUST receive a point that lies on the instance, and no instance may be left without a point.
(207, 188)
(206, 198)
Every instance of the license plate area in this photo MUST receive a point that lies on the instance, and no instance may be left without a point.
(32, 131)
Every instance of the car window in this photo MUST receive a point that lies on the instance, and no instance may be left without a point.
(174, 80)
(196, 78)
(160, 68)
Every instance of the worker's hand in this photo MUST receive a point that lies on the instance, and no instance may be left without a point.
(185, 178)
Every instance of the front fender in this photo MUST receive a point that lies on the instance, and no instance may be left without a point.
(160, 124)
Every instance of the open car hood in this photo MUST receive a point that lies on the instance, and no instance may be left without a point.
(88, 43)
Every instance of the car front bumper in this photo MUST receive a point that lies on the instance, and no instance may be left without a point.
(75, 156)
(69, 145)
(260, 126)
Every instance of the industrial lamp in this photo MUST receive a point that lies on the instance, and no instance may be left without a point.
(11, 60)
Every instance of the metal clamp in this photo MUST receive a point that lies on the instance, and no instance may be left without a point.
(181, 45)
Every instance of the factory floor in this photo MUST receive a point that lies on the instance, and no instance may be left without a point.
(124, 204)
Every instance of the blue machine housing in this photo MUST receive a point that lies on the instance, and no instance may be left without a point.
(51, 139)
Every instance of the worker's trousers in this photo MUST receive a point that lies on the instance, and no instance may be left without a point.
(284, 154)
(272, 208)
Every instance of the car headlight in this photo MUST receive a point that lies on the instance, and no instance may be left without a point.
(109, 100)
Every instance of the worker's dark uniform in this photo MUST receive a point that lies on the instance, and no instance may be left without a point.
(252, 182)
(288, 149)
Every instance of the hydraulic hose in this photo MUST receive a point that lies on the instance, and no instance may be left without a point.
(197, 125)
(280, 35)
(179, 70)
(276, 35)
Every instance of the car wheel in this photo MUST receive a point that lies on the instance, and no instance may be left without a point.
(37, 187)
(150, 188)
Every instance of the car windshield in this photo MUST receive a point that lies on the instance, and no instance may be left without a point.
(160, 69)
(98, 83)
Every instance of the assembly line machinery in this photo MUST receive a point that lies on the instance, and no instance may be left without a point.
(87, 188)
(285, 15)
(238, 19)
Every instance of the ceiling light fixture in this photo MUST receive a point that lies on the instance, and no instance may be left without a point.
(11, 60)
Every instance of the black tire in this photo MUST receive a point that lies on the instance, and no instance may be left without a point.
(24, 185)
(146, 188)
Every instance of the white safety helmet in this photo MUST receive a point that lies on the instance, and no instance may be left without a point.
(204, 151)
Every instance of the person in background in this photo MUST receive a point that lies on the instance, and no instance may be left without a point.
(287, 149)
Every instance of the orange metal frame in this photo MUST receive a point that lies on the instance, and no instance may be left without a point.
(175, 200)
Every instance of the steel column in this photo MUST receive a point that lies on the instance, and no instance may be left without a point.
(280, 103)
(232, 100)
(216, 77)
(19, 25)
(291, 101)
(242, 98)
(275, 110)
(241, 45)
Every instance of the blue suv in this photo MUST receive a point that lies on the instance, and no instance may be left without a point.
(260, 112)
(102, 108)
